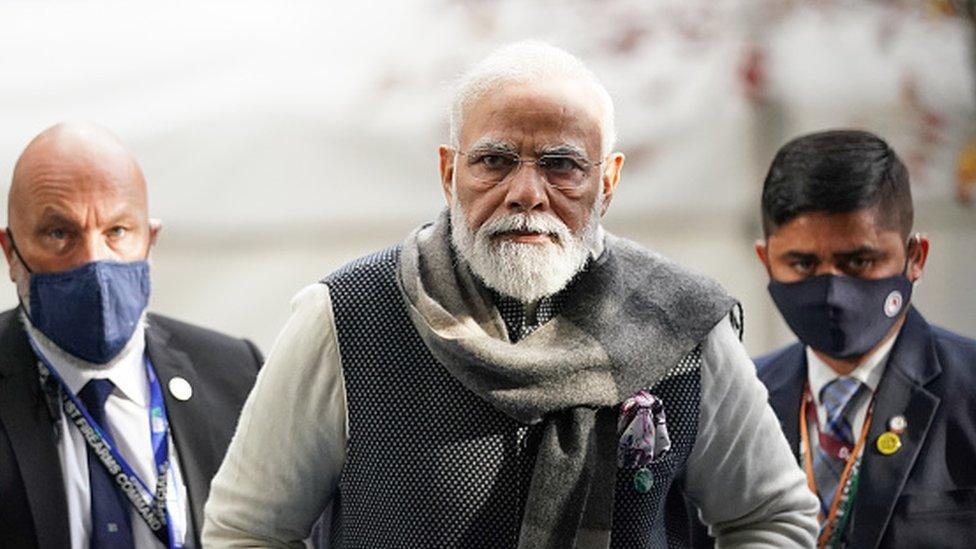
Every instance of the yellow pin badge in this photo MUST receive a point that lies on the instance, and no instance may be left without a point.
(888, 443)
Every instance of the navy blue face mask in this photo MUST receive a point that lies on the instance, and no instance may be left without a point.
(91, 311)
(841, 316)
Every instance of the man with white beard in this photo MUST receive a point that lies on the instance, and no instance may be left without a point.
(511, 375)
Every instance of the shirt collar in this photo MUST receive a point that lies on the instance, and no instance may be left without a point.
(869, 372)
(126, 371)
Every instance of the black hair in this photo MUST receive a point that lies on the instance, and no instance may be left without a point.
(837, 171)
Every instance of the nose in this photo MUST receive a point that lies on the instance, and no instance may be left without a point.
(827, 268)
(94, 248)
(527, 190)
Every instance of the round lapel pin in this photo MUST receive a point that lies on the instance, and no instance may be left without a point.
(898, 424)
(180, 388)
(888, 443)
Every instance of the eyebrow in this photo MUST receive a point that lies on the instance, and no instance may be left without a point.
(493, 146)
(861, 251)
(562, 149)
(792, 254)
(489, 145)
(51, 216)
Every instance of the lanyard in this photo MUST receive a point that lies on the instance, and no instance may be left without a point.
(149, 505)
(847, 485)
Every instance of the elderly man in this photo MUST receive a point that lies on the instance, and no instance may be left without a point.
(112, 421)
(510, 375)
(878, 405)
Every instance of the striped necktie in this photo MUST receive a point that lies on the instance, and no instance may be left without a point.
(838, 399)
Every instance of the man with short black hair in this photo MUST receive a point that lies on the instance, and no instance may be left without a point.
(877, 404)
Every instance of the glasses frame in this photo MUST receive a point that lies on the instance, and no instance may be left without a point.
(585, 165)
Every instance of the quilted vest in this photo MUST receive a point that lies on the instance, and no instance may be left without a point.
(431, 464)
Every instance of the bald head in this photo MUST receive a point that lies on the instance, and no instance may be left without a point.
(77, 195)
(76, 156)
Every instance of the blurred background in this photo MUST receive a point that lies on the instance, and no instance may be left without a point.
(282, 139)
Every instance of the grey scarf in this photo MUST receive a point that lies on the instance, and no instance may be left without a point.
(627, 320)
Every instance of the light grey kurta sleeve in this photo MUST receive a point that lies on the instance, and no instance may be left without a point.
(741, 473)
(284, 461)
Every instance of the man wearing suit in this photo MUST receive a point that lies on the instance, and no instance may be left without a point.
(879, 406)
(112, 420)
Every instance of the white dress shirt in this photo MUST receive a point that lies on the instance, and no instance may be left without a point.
(284, 463)
(127, 411)
(869, 373)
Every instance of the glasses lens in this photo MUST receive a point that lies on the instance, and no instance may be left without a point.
(491, 167)
(562, 171)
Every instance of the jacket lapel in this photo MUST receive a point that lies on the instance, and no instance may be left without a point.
(912, 364)
(785, 377)
(28, 423)
(189, 420)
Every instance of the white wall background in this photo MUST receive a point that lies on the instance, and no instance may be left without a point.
(281, 139)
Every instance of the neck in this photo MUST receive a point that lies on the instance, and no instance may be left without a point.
(844, 366)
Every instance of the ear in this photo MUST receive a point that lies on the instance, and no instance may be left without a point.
(155, 226)
(611, 178)
(762, 252)
(446, 164)
(918, 253)
(8, 251)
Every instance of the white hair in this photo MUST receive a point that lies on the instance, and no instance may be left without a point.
(528, 61)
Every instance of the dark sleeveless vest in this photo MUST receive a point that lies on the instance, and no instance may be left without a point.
(430, 464)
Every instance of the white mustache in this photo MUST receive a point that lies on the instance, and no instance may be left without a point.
(523, 222)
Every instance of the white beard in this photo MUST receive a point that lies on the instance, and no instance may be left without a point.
(527, 272)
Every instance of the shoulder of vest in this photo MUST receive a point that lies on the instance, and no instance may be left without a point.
(383, 261)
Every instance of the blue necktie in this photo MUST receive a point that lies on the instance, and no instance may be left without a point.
(838, 398)
(111, 527)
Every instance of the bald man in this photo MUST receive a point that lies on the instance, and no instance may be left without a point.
(112, 420)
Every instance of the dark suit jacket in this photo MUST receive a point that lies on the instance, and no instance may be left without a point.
(925, 494)
(33, 507)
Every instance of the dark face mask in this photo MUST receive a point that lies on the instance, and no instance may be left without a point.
(842, 316)
(91, 311)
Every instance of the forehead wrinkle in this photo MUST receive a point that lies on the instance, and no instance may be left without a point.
(50, 179)
(84, 201)
(534, 111)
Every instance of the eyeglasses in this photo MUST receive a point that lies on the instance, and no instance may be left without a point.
(562, 171)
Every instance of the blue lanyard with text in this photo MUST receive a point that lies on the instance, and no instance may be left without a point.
(149, 505)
